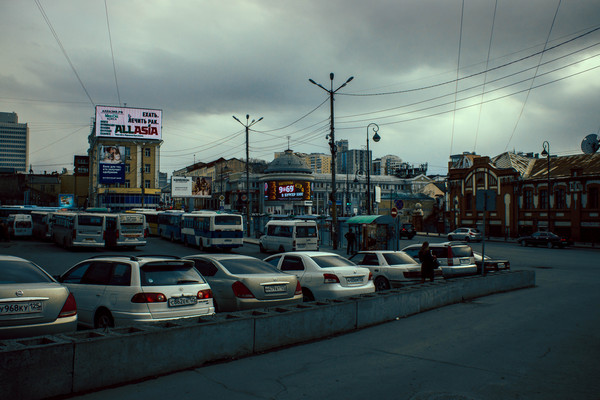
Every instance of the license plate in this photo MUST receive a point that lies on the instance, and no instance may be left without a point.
(30, 307)
(183, 301)
(464, 261)
(354, 279)
(275, 289)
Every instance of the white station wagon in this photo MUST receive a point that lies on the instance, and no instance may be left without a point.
(121, 290)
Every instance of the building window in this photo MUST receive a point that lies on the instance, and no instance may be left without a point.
(592, 198)
(127, 183)
(468, 201)
(127, 168)
(543, 198)
(127, 152)
(560, 201)
(146, 168)
(147, 184)
(528, 199)
(146, 152)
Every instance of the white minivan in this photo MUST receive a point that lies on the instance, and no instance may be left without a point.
(290, 235)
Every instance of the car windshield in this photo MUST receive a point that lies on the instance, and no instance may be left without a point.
(243, 266)
(461, 251)
(332, 261)
(398, 258)
(170, 273)
(21, 272)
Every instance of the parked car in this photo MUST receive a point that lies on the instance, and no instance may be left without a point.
(390, 268)
(466, 234)
(122, 290)
(324, 275)
(242, 282)
(407, 231)
(32, 303)
(491, 264)
(456, 259)
(543, 238)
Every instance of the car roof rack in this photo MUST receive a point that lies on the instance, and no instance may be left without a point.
(159, 256)
(132, 258)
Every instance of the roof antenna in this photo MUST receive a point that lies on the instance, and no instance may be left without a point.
(288, 142)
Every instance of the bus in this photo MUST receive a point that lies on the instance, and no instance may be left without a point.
(212, 230)
(20, 225)
(42, 224)
(151, 218)
(70, 229)
(125, 230)
(169, 225)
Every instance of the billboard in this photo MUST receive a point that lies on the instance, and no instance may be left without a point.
(123, 123)
(66, 200)
(181, 186)
(111, 164)
(287, 190)
(202, 187)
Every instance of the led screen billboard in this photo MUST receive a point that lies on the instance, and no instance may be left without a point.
(287, 190)
(111, 164)
(133, 123)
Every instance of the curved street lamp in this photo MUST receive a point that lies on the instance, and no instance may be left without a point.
(546, 153)
(376, 138)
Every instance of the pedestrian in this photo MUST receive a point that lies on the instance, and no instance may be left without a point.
(428, 262)
(351, 239)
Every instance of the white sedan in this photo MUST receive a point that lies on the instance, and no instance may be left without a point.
(324, 275)
(390, 268)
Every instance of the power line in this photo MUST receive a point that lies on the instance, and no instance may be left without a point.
(457, 72)
(112, 52)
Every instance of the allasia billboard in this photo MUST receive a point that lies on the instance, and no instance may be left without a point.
(287, 190)
(123, 122)
(111, 164)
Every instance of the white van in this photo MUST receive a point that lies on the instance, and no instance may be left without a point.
(20, 225)
(290, 235)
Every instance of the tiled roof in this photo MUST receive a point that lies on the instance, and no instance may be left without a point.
(509, 160)
(589, 164)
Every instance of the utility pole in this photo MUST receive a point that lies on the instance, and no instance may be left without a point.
(332, 146)
(247, 125)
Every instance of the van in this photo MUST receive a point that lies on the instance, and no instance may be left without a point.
(290, 235)
(20, 225)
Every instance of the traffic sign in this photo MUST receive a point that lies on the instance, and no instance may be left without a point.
(399, 204)
(394, 212)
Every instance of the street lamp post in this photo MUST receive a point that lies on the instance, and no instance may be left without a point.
(546, 152)
(247, 125)
(376, 139)
(331, 137)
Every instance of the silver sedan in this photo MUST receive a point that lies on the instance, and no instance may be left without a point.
(241, 282)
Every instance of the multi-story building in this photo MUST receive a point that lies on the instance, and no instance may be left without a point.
(125, 158)
(319, 163)
(14, 143)
(386, 165)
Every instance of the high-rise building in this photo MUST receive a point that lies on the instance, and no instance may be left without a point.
(14, 143)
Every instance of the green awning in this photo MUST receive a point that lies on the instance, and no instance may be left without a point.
(369, 219)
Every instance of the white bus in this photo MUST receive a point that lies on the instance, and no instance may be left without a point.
(20, 225)
(212, 230)
(290, 235)
(125, 230)
(71, 229)
(42, 224)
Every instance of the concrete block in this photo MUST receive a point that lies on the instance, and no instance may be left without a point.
(36, 368)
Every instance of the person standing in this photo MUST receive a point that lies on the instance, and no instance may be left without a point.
(351, 239)
(428, 262)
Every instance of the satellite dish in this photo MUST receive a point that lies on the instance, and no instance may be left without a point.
(590, 144)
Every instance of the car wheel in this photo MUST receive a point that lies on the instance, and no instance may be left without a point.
(262, 248)
(307, 295)
(281, 249)
(103, 320)
(450, 237)
(381, 284)
(523, 244)
(549, 245)
(467, 239)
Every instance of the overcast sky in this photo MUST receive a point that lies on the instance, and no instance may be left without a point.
(203, 61)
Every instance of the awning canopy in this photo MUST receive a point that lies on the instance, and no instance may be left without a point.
(371, 219)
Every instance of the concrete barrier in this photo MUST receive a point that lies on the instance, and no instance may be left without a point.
(87, 360)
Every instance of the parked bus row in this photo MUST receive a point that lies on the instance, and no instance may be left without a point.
(207, 230)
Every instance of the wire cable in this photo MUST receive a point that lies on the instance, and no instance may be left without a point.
(462, 13)
(112, 53)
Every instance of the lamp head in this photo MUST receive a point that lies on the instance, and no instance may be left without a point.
(545, 153)
(376, 137)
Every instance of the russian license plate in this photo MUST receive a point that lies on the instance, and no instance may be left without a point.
(29, 307)
(183, 301)
(275, 289)
(354, 279)
(464, 261)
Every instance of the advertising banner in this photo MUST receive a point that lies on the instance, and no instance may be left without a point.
(66, 200)
(123, 122)
(181, 186)
(287, 190)
(112, 164)
(202, 187)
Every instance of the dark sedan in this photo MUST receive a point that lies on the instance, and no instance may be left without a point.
(547, 239)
